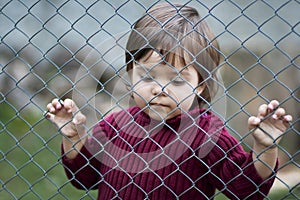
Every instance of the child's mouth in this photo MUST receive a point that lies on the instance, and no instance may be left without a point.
(157, 104)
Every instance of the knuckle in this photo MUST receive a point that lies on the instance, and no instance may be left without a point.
(49, 105)
(274, 102)
(54, 101)
(69, 103)
(281, 111)
(262, 107)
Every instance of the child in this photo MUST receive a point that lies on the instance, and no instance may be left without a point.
(168, 146)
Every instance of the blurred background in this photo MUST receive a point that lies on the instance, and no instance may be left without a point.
(74, 49)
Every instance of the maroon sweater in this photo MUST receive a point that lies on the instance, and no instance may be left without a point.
(131, 156)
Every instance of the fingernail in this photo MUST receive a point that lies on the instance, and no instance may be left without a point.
(46, 115)
(288, 118)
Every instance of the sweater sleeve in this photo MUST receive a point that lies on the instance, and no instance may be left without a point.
(82, 170)
(85, 171)
(233, 171)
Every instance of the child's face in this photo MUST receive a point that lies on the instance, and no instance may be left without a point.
(161, 90)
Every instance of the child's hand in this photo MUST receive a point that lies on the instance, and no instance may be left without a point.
(66, 116)
(270, 124)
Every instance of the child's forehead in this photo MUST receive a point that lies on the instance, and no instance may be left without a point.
(153, 59)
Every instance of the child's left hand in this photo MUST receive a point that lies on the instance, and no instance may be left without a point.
(270, 124)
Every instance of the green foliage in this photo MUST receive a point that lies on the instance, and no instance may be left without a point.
(30, 165)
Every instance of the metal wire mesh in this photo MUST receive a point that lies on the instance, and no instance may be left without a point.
(49, 49)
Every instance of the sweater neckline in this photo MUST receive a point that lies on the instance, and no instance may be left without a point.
(143, 119)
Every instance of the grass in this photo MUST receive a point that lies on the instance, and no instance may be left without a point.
(29, 159)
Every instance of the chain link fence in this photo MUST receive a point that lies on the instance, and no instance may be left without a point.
(46, 44)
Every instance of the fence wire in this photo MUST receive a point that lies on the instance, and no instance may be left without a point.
(74, 49)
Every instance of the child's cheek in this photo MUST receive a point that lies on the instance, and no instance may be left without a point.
(141, 88)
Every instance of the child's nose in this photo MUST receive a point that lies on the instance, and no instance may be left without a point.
(158, 89)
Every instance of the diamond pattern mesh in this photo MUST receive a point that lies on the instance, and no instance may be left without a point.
(74, 49)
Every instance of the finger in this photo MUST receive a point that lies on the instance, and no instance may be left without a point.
(253, 122)
(273, 105)
(279, 113)
(50, 116)
(70, 106)
(50, 107)
(288, 118)
(262, 111)
(56, 104)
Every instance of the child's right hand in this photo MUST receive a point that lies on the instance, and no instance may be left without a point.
(67, 117)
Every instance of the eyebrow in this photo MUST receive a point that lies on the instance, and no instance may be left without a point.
(145, 68)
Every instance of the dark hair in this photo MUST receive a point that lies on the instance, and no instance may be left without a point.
(178, 33)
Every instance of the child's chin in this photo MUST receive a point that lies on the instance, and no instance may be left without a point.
(160, 116)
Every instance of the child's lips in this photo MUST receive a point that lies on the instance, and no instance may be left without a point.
(158, 104)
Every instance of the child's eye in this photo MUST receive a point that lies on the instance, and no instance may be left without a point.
(147, 78)
(178, 81)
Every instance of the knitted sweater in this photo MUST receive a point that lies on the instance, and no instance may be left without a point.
(131, 156)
